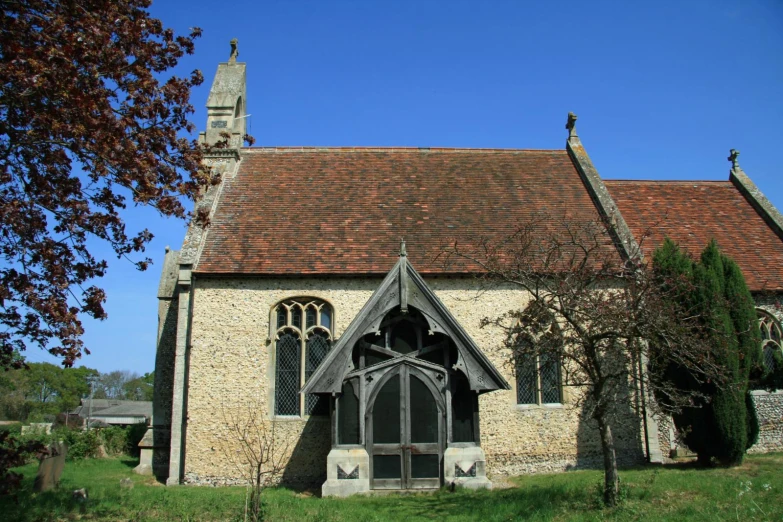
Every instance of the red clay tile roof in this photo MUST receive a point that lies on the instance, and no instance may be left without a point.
(343, 210)
(693, 212)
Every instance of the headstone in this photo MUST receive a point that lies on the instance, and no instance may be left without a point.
(51, 467)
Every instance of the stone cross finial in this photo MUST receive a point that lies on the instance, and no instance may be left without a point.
(234, 52)
(734, 159)
(403, 252)
(571, 125)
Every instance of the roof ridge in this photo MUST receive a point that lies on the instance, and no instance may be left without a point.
(667, 181)
(391, 149)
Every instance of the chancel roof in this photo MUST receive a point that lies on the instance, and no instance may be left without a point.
(692, 213)
(343, 210)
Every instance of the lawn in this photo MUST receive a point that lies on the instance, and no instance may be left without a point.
(753, 491)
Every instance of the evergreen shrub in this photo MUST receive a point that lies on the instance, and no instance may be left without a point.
(724, 426)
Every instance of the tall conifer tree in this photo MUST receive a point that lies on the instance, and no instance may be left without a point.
(724, 425)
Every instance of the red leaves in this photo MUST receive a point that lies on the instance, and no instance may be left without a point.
(84, 121)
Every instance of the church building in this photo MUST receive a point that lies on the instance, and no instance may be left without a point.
(314, 302)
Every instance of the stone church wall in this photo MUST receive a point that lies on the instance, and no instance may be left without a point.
(231, 373)
(524, 439)
(769, 405)
(769, 410)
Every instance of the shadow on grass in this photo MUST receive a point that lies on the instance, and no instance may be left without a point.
(130, 461)
(535, 502)
(27, 505)
(507, 504)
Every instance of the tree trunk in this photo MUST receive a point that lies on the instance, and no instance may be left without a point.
(611, 478)
(704, 460)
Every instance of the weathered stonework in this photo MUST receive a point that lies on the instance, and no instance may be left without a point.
(466, 467)
(158, 437)
(769, 405)
(347, 473)
(769, 410)
(771, 302)
(232, 366)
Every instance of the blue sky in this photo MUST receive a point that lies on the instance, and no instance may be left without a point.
(662, 89)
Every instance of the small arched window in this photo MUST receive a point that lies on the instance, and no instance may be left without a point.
(771, 339)
(303, 337)
(239, 124)
(538, 359)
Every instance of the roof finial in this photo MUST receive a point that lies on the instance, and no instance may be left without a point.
(234, 52)
(571, 125)
(734, 159)
(403, 252)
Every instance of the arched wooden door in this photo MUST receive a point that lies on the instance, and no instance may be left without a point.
(405, 431)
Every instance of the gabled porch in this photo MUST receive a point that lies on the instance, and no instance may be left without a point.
(403, 383)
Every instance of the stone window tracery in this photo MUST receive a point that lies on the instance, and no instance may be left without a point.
(771, 339)
(303, 337)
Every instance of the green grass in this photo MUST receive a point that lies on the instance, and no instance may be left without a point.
(679, 492)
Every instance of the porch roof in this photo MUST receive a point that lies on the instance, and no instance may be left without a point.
(403, 287)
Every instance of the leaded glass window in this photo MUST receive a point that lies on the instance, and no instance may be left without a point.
(549, 375)
(770, 339)
(287, 381)
(527, 381)
(303, 338)
(317, 348)
(538, 360)
(538, 380)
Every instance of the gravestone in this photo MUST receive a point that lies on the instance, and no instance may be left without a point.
(51, 467)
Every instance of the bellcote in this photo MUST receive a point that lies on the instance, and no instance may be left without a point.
(226, 105)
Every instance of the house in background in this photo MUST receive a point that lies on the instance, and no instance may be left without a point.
(112, 412)
(298, 305)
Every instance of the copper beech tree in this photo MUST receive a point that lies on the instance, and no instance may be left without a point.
(599, 316)
(89, 123)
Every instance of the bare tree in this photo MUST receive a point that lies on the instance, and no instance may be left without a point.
(112, 385)
(258, 451)
(605, 320)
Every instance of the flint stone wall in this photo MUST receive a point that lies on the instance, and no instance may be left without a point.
(769, 410)
(231, 370)
(769, 406)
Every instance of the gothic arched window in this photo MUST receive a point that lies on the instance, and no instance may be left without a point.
(303, 336)
(538, 359)
(770, 339)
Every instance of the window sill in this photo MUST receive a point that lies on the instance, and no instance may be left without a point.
(300, 418)
(546, 406)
